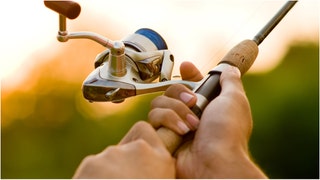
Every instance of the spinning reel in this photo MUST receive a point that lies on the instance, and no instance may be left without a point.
(138, 64)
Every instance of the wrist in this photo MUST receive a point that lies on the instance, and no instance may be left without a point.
(247, 168)
(234, 163)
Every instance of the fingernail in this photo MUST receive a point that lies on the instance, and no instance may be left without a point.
(194, 122)
(235, 70)
(183, 127)
(186, 97)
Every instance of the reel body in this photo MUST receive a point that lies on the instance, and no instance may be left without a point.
(118, 74)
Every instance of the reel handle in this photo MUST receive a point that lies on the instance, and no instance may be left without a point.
(68, 9)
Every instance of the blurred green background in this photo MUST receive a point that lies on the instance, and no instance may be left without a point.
(48, 128)
(285, 107)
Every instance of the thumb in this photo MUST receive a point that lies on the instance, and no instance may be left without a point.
(143, 131)
(190, 72)
(230, 81)
(229, 114)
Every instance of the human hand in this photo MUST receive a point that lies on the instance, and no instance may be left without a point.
(220, 145)
(140, 154)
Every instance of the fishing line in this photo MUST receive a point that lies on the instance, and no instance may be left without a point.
(219, 52)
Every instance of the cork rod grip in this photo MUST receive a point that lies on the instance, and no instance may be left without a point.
(170, 139)
(242, 56)
(68, 9)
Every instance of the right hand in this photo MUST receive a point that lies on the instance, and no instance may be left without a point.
(220, 146)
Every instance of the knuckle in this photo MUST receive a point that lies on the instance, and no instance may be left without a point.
(88, 160)
(166, 102)
(168, 115)
(152, 114)
(109, 151)
(137, 130)
(155, 113)
(158, 101)
(141, 144)
(161, 114)
(175, 89)
(140, 125)
(177, 105)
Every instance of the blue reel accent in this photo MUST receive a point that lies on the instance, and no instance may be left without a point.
(154, 37)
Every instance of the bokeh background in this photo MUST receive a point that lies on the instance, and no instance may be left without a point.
(47, 127)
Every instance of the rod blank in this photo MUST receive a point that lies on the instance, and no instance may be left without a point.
(264, 32)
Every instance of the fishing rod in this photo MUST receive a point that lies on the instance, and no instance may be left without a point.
(130, 66)
(241, 56)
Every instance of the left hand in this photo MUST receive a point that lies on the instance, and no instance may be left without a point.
(140, 154)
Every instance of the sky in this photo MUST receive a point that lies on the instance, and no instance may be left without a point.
(201, 31)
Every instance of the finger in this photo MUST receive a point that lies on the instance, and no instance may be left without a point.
(231, 109)
(143, 131)
(233, 89)
(232, 96)
(168, 118)
(180, 92)
(179, 108)
(189, 72)
(230, 81)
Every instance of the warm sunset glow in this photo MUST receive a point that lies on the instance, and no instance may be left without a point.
(198, 31)
(48, 126)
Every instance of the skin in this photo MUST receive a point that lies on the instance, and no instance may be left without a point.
(220, 145)
(219, 148)
(140, 154)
